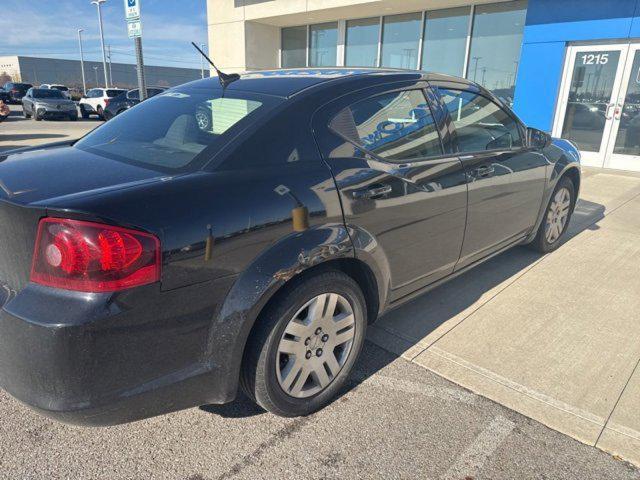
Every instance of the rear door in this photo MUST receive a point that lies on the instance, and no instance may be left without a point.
(506, 178)
(390, 156)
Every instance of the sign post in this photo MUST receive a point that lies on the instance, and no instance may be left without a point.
(134, 29)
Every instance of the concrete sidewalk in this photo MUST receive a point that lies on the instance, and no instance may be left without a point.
(554, 337)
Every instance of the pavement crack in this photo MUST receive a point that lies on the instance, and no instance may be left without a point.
(280, 436)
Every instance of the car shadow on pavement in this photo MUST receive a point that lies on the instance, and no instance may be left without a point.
(404, 327)
(241, 407)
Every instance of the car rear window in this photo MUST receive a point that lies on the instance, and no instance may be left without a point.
(114, 93)
(177, 130)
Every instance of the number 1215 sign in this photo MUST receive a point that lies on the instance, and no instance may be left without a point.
(132, 9)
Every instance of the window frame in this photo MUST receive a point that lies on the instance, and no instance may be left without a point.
(505, 108)
(423, 90)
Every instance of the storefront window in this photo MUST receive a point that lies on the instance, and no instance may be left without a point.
(362, 42)
(323, 44)
(445, 40)
(294, 47)
(495, 46)
(400, 40)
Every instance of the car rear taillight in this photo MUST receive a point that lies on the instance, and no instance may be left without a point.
(106, 102)
(92, 257)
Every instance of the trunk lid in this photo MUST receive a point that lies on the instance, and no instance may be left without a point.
(33, 181)
(45, 177)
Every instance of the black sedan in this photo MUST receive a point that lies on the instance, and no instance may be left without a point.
(158, 264)
(126, 100)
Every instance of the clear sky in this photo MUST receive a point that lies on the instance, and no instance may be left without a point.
(48, 28)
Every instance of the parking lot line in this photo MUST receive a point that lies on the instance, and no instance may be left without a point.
(470, 463)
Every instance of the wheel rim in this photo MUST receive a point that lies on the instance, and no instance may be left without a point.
(315, 345)
(203, 121)
(557, 215)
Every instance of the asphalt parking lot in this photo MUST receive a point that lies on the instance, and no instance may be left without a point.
(397, 418)
(17, 131)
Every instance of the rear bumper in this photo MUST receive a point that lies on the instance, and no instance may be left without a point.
(105, 359)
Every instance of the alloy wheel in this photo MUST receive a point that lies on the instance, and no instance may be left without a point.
(557, 215)
(315, 345)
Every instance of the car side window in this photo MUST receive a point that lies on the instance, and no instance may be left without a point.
(480, 123)
(133, 95)
(396, 126)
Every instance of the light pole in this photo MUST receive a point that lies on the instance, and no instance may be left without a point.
(475, 70)
(110, 70)
(98, 4)
(95, 69)
(84, 82)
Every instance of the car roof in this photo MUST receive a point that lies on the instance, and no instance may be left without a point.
(288, 82)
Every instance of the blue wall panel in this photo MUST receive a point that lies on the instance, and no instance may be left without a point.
(538, 83)
(550, 25)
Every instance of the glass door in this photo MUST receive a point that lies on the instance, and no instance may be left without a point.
(588, 98)
(624, 147)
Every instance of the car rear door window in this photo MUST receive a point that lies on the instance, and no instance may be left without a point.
(480, 123)
(396, 126)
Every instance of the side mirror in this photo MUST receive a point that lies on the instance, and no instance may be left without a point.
(538, 139)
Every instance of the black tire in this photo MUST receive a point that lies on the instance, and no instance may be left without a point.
(541, 243)
(36, 117)
(24, 113)
(85, 115)
(73, 117)
(100, 112)
(259, 378)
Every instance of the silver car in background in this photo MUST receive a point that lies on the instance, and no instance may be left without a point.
(42, 103)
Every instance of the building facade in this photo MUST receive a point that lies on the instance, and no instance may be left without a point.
(37, 71)
(569, 67)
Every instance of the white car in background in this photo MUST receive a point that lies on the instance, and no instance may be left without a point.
(53, 86)
(96, 100)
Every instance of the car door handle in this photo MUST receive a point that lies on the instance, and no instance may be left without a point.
(372, 193)
(484, 171)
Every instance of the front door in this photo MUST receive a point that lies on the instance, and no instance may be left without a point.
(506, 177)
(599, 107)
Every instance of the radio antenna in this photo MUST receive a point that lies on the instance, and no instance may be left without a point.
(224, 78)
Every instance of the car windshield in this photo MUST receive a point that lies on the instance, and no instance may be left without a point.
(46, 93)
(60, 87)
(114, 93)
(177, 129)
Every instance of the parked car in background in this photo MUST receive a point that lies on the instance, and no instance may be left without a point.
(43, 103)
(16, 91)
(96, 100)
(4, 95)
(62, 88)
(177, 263)
(126, 100)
